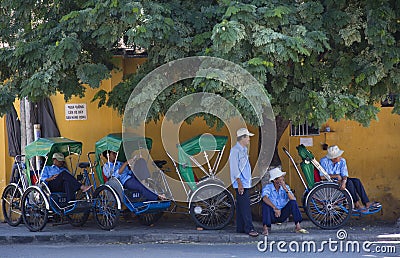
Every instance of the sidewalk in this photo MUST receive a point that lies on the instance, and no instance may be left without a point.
(182, 230)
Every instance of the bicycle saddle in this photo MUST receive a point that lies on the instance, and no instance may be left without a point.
(160, 163)
(84, 164)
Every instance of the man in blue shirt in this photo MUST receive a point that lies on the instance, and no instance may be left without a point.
(279, 202)
(59, 179)
(123, 173)
(240, 171)
(336, 167)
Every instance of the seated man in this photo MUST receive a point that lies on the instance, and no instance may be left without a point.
(279, 203)
(336, 167)
(123, 173)
(59, 179)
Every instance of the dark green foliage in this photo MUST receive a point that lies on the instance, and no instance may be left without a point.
(316, 59)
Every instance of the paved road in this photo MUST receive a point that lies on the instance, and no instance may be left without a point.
(167, 250)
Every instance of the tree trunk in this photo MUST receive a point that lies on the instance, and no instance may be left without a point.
(281, 125)
(22, 123)
(26, 124)
(265, 159)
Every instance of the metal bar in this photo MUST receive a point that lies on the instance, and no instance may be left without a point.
(179, 174)
(295, 166)
(199, 165)
(219, 159)
(321, 169)
(208, 162)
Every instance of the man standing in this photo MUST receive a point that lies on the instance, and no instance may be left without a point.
(241, 181)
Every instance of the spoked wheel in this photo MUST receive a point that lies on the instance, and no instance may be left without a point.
(328, 207)
(106, 210)
(34, 211)
(79, 217)
(11, 203)
(212, 206)
(148, 219)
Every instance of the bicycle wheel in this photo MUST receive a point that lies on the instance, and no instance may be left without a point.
(328, 207)
(34, 211)
(148, 219)
(80, 214)
(212, 206)
(106, 210)
(11, 203)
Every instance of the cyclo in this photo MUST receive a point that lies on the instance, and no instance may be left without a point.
(327, 206)
(111, 194)
(210, 204)
(11, 197)
(38, 202)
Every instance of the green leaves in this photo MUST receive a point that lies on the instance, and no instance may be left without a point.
(278, 12)
(227, 34)
(92, 74)
(316, 59)
(7, 97)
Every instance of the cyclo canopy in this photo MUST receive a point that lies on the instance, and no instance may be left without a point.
(306, 166)
(46, 147)
(114, 142)
(193, 146)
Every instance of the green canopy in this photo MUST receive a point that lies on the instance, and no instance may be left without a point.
(48, 146)
(308, 171)
(304, 153)
(306, 166)
(193, 146)
(114, 142)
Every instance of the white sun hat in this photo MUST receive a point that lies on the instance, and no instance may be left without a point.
(334, 152)
(243, 131)
(275, 173)
(58, 156)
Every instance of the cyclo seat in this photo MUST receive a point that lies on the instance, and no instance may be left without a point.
(117, 186)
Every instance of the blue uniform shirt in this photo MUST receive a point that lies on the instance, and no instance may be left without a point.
(109, 169)
(279, 198)
(339, 168)
(50, 171)
(240, 166)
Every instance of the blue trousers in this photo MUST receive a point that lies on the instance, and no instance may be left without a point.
(66, 183)
(134, 184)
(356, 189)
(244, 220)
(268, 214)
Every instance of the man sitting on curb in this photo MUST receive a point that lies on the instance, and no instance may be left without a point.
(279, 203)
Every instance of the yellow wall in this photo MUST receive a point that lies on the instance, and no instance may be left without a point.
(372, 154)
(5, 160)
(100, 121)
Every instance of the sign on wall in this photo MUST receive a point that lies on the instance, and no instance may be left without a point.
(75, 112)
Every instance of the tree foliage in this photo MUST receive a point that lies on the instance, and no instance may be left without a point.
(316, 59)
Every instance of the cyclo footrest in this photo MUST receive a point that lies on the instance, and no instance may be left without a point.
(142, 207)
(79, 206)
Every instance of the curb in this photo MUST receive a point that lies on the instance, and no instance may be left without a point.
(183, 231)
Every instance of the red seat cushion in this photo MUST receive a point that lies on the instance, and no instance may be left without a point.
(317, 177)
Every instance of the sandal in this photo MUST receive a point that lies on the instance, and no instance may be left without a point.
(253, 233)
(302, 231)
(375, 205)
(266, 231)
